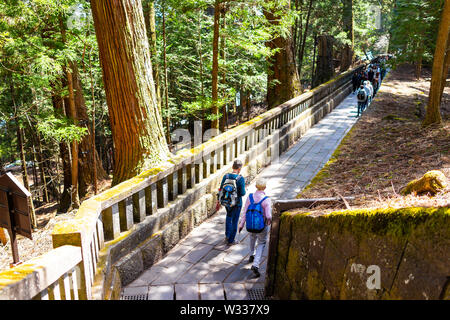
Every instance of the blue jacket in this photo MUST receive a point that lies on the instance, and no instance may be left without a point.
(240, 183)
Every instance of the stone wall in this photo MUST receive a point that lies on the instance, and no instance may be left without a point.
(364, 254)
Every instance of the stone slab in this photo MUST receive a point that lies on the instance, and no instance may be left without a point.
(212, 292)
(161, 292)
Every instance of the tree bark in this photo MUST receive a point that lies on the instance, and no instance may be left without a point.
(433, 114)
(325, 67)
(348, 51)
(136, 124)
(283, 78)
(446, 73)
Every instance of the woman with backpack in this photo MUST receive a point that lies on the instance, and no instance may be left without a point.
(257, 217)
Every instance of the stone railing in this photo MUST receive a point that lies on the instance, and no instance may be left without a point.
(126, 229)
(53, 276)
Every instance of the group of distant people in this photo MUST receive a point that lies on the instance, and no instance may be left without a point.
(367, 82)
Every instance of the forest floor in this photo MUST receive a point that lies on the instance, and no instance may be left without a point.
(387, 148)
(47, 218)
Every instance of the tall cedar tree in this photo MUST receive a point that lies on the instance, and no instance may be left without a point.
(433, 114)
(130, 90)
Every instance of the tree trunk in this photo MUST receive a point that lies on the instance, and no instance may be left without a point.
(86, 149)
(445, 74)
(166, 78)
(224, 118)
(65, 200)
(42, 168)
(283, 78)
(433, 114)
(215, 67)
(348, 51)
(150, 24)
(73, 144)
(325, 67)
(20, 144)
(303, 44)
(136, 124)
(71, 112)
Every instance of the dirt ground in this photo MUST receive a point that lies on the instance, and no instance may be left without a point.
(388, 148)
(42, 240)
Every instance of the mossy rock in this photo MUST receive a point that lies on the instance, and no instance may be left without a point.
(432, 182)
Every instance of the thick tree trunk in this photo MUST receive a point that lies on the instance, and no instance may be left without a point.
(136, 124)
(215, 67)
(325, 67)
(348, 50)
(433, 114)
(283, 78)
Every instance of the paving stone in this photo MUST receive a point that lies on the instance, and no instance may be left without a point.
(242, 273)
(133, 291)
(197, 253)
(172, 273)
(215, 238)
(214, 257)
(161, 292)
(175, 254)
(195, 274)
(186, 291)
(218, 273)
(235, 291)
(147, 277)
(211, 292)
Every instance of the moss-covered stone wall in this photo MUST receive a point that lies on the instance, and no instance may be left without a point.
(364, 254)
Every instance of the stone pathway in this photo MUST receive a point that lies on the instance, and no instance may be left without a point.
(202, 266)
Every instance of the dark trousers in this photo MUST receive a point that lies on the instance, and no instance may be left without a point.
(231, 222)
(361, 107)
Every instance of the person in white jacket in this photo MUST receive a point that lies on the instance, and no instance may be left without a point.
(258, 240)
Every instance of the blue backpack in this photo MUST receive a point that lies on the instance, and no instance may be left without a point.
(254, 217)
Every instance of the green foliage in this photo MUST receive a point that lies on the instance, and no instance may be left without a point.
(60, 129)
(414, 29)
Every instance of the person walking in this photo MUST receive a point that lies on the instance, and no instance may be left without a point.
(355, 81)
(362, 100)
(232, 189)
(258, 218)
